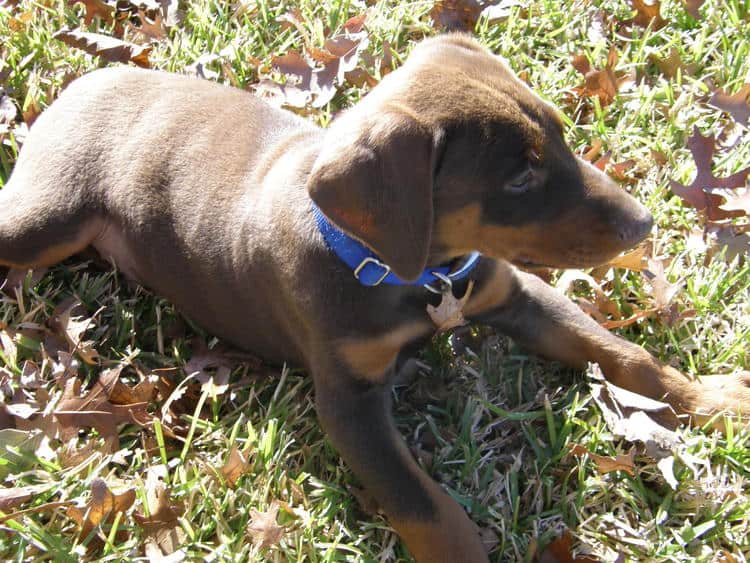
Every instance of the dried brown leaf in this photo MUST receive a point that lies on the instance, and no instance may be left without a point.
(635, 260)
(449, 313)
(659, 287)
(647, 14)
(631, 416)
(693, 8)
(455, 15)
(12, 497)
(235, 467)
(109, 48)
(95, 410)
(67, 319)
(561, 551)
(263, 528)
(355, 24)
(102, 507)
(698, 193)
(672, 63)
(161, 525)
(152, 28)
(736, 105)
(96, 9)
(603, 83)
(607, 464)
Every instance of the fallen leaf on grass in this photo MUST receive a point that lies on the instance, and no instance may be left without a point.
(659, 287)
(672, 63)
(12, 497)
(561, 551)
(693, 8)
(313, 77)
(455, 15)
(646, 14)
(235, 467)
(96, 9)
(604, 83)
(210, 368)
(602, 306)
(109, 48)
(737, 200)
(607, 464)
(67, 319)
(160, 522)
(102, 507)
(263, 528)
(635, 260)
(698, 193)
(95, 410)
(152, 28)
(736, 105)
(629, 416)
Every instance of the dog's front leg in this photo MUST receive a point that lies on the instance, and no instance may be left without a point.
(548, 323)
(356, 415)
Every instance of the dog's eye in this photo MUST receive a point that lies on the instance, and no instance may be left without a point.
(520, 183)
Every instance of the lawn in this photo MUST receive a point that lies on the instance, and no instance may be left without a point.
(223, 458)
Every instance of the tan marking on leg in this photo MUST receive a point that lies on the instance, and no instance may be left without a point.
(371, 357)
(58, 251)
(450, 537)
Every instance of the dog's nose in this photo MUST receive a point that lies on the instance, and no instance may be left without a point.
(635, 229)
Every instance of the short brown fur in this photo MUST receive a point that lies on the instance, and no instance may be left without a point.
(450, 153)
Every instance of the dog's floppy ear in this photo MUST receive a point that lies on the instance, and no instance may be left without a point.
(373, 179)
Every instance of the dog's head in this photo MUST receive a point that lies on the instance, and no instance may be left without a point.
(452, 153)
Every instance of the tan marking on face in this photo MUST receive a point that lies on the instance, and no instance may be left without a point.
(372, 357)
(494, 292)
(571, 242)
(458, 231)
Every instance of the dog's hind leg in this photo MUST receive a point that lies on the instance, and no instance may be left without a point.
(41, 225)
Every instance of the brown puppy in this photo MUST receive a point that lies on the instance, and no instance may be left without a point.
(205, 194)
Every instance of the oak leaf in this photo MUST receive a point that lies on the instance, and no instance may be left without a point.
(102, 507)
(449, 313)
(698, 192)
(693, 8)
(68, 320)
(647, 14)
(108, 48)
(164, 534)
(603, 83)
(561, 551)
(235, 467)
(672, 63)
(604, 463)
(736, 105)
(456, 15)
(96, 9)
(95, 410)
(263, 528)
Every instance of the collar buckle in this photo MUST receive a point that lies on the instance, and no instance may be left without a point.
(376, 263)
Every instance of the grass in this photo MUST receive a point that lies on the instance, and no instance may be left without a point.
(492, 424)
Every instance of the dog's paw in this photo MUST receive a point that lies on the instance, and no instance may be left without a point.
(721, 394)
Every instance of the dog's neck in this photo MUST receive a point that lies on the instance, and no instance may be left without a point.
(369, 270)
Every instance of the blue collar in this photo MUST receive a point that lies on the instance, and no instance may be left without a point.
(367, 267)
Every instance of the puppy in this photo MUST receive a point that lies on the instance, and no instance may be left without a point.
(324, 248)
